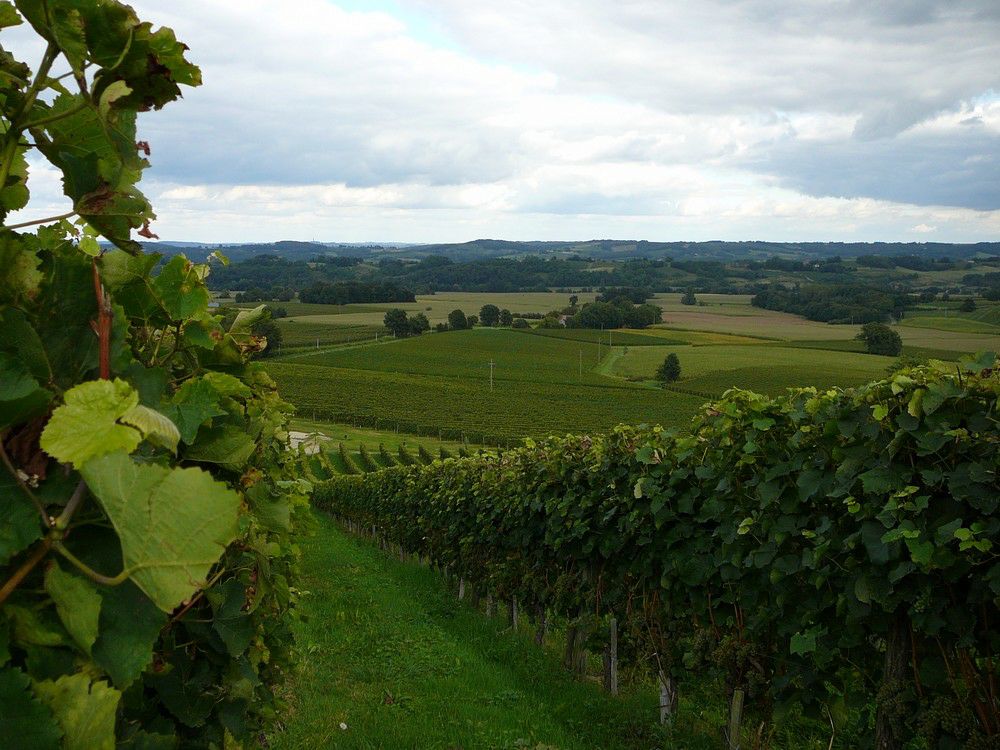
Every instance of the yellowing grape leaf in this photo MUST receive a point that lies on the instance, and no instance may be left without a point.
(173, 524)
(85, 710)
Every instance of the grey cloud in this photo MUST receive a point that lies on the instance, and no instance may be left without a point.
(919, 169)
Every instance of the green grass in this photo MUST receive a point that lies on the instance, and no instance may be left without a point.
(298, 332)
(305, 309)
(389, 651)
(959, 324)
(353, 436)
(853, 345)
(765, 369)
(620, 337)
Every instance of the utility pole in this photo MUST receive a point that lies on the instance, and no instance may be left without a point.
(492, 365)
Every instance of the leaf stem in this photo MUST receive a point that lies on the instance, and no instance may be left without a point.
(90, 572)
(33, 222)
(49, 119)
(75, 499)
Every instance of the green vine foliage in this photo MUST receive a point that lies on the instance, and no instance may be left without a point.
(147, 500)
(834, 550)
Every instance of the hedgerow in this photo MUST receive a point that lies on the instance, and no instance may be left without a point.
(832, 550)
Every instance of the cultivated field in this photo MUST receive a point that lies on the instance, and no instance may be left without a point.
(560, 380)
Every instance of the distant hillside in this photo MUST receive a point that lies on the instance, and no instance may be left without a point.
(591, 249)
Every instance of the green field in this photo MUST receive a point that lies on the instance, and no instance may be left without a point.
(767, 369)
(619, 336)
(566, 380)
(300, 332)
(466, 356)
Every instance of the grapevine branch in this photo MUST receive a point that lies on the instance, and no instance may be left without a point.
(37, 555)
(24, 485)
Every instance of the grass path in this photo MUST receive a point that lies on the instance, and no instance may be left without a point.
(391, 654)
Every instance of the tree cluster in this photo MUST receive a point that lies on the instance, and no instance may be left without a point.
(354, 292)
(835, 303)
(402, 326)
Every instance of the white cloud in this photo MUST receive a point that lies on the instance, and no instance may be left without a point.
(638, 118)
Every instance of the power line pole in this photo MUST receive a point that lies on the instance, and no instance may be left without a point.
(492, 365)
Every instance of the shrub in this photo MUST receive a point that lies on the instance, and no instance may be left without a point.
(880, 339)
(669, 370)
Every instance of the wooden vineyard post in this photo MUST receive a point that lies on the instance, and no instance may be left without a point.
(894, 672)
(668, 697)
(611, 659)
(735, 719)
(513, 613)
(543, 625)
(461, 589)
(491, 607)
(569, 655)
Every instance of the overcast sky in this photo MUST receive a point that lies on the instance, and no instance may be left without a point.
(447, 120)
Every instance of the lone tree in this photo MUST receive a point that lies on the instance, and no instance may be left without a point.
(670, 370)
(418, 324)
(489, 315)
(395, 320)
(968, 306)
(688, 298)
(880, 339)
(520, 323)
(457, 320)
(505, 317)
(472, 321)
(573, 299)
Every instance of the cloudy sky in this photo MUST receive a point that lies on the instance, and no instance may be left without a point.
(447, 120)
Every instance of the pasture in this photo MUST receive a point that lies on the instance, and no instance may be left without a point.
(766, 369)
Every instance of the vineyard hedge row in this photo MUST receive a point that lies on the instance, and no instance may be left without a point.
(460, 409)
(830, 549)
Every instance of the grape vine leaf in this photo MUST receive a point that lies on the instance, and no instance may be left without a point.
(84, 710)
(8, 15)
(232, 624)
(174, 524)
(23, 716)
(78, 605)
(156, 427)
(195, 402)
(21, 397)
(129, 626)
(19, 274)
(180, 289)
(86, 425)
(223, 444)
(21, 524)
